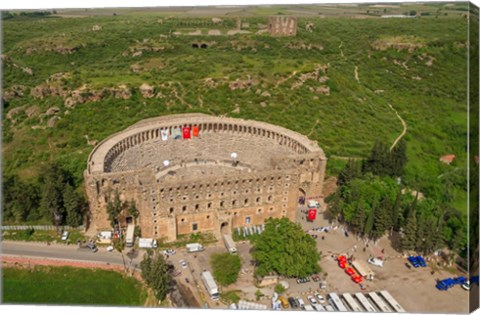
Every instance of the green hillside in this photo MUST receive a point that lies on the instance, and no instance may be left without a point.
(306, 83)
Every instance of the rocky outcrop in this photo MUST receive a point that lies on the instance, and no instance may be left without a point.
(242, 84)
(325, 90)
(122, 92)
(13, 92)
(32, 111)
(52, 111)
(210, 83)
(15, 111)
(83, 95)
(52, 121)
(146, 90)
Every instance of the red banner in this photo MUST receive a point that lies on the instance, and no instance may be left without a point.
(312, 214)
(186, 133)
(195, 131)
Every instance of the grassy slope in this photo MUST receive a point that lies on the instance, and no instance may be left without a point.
(350, 119)
(70, 286)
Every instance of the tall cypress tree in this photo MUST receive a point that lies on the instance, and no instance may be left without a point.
(358, 221)
(399, 158)
(409, 238)
(396, 210)
(351, 171)
(382, 220)
(369, 224)
(54, 181)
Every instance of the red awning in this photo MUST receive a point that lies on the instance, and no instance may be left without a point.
(186, 133)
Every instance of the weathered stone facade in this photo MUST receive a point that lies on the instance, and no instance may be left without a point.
(282, 25)
(201, 189)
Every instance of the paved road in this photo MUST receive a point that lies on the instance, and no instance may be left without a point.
(65, 252)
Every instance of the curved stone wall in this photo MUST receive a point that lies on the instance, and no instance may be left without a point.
(106, 151)
(203, 190)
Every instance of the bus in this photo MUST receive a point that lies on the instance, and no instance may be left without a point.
(365, 303)
(351, 303)
(393, 303)
(334, 301)
(382, 306)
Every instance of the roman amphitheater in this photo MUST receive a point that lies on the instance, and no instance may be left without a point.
(228, 173)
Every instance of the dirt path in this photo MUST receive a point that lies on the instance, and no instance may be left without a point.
(286, 79)
(404, 124)
(356, 74)
(313, 127)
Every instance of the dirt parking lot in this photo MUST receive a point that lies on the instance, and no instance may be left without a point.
(413, 288)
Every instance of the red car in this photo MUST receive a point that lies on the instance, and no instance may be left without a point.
(357, 279)
(350, 271)
(342, 264)
(342, 258)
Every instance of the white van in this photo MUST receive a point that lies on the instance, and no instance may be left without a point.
(375, 261)
(300, 302)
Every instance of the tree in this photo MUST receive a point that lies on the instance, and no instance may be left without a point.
(351, 171)
(74, 206)
(54, 180)
(399, 158)
(409, 237)
(225, 268)
(284, 248)
(154, 271)
(358, 222)
(132, 209)
(396, 210)
(335, 204)
(382, 220)
(114, 208)
(279, 288)
(369, 224)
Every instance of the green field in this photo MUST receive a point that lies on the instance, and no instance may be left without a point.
(70, 286)
(417, 65)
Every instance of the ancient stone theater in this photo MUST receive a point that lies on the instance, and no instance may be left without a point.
(194, 173)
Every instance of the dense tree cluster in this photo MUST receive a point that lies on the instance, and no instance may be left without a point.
(6, 15)
(284, 248)
(154, 271)
(386, 162)
(372, 201)
(225, 268)
(53, 198)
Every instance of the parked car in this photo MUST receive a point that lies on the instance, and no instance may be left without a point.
(65, 236)
(375, 261)
(320, 298)
(169, 252)
(92, 247)
(312, 299)
(293, 303)
(421, 261)
(466, 285)
(414, 261)
(110, 248)
(303, 280)
(357, 279)
(300, 302)
(349, 271)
